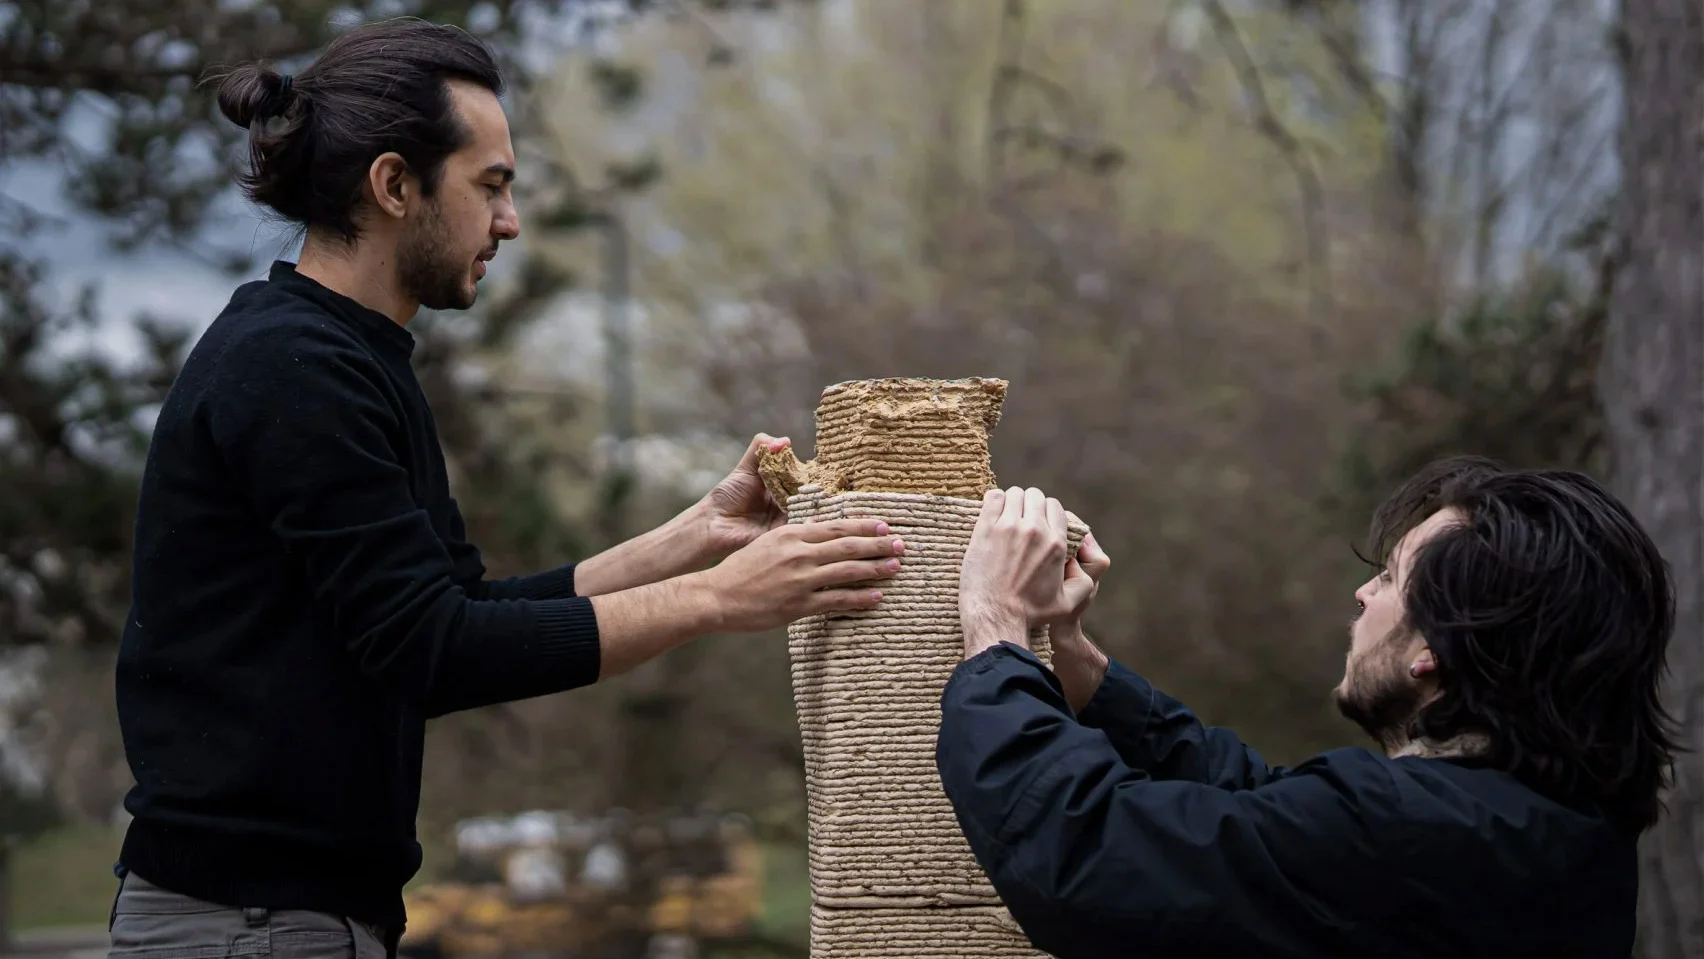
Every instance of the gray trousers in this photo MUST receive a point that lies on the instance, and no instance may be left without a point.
(151, 923)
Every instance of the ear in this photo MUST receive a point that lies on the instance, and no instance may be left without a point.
(1423, 664)
(392, 185)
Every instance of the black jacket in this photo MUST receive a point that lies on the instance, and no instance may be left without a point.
(1134, 830)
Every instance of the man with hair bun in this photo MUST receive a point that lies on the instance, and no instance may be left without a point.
(1505, 658)
(304, 594)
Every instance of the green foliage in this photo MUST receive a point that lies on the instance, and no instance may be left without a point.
(1513, 377)
(148, 155)
(163, 150)
(618, 84)
(68, 464)
(635, 175)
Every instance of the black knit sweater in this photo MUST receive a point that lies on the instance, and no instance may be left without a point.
(304, 600)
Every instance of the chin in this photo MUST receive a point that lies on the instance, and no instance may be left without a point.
(459, 300)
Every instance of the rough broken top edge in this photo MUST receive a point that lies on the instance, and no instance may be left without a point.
(990, 383)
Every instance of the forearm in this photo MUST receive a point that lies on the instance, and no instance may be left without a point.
(1159, 735)
(1090, 854)
(639, 624)
(1006, 745)
(986, 629)
(513, 650)
(556, 583)
(672, 549)
(463, 654)
(1079, 664)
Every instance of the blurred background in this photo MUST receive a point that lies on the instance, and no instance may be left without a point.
(1245, 263)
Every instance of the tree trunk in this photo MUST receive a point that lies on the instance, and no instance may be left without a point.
(1653, 390)
(5, 895)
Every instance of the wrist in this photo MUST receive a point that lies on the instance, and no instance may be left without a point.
(701, 602)
(988, 626)
(1080, 665)
(688, 536)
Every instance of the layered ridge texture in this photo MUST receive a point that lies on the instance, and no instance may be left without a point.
(891, 873)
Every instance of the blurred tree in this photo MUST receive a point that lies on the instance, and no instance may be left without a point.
(107, 93)
(1653, 392)
(963, 187)
(1513, 376)
(74, 427)
(110, 94)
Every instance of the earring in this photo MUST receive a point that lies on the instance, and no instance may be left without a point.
(1414, 670)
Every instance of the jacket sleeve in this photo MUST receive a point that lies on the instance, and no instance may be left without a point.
(469, 568)
(307, 425)
(1162, 737)
(1095, 858)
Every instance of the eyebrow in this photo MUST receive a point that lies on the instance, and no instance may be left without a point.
(503, 169)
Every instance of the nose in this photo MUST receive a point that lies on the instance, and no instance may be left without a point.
(1365, 592)
(507, 225)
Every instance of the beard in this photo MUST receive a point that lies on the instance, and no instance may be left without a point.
(430, 271)
(1377, 695)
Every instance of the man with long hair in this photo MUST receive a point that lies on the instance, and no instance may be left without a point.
(1505, 658)
(305, 597)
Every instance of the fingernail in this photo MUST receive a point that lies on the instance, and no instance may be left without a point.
(881, 529)
(876, 596)
(893, 565)
(899, 545)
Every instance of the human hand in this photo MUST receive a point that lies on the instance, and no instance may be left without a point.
(740, 509)
(1077, 661)
(1013, 577)
(1082, 583)
(802, 569)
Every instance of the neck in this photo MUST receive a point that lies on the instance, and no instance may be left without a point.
(364, 271)
(1455, 747)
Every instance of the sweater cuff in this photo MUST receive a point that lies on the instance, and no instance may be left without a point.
(569, 648)
(552, 584)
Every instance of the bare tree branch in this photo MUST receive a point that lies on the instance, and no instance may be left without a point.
(1307, 177)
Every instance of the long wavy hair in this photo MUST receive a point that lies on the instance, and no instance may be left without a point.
(1549, 612)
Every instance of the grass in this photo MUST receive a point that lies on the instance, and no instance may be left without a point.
(787, 894)
(64, 878)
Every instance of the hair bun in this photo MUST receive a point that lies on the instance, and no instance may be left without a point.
(252, 93)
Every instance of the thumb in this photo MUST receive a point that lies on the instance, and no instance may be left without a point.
(1094, 560)
(762, 441)
(1078, 586)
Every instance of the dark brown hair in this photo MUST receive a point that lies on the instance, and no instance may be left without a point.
(1549, 611)
(379, 88)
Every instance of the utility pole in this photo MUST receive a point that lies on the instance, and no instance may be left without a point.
(618, 370)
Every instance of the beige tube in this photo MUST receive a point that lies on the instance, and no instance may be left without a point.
(891, 873)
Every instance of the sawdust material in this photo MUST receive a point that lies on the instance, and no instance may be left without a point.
(978, 932)
(867, 689)
(891, 873)
(896, 436)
